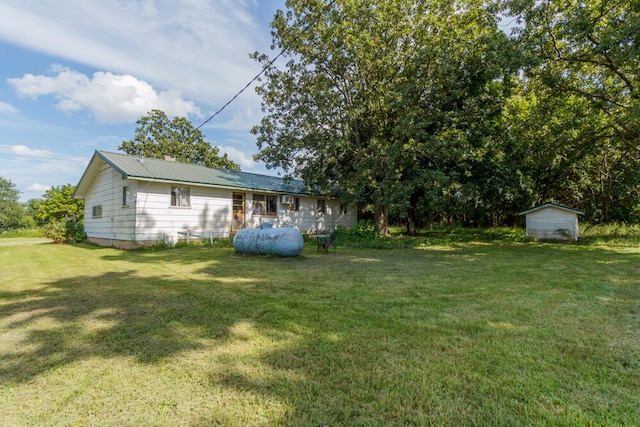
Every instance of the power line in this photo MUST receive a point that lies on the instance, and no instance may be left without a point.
(266, 67)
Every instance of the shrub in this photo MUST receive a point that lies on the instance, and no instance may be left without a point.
(365, 231)
(64, 231)
(54, 230)
(74, 232)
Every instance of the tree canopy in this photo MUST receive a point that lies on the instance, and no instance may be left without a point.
(58, 204)
(12, 214)
(441, 116)
(590, 49)
(582, 68)
(157, 135)
(363, 107)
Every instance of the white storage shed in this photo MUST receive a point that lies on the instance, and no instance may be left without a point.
(552, 221)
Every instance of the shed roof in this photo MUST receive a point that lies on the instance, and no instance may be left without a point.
(148, 169)
(552, 205)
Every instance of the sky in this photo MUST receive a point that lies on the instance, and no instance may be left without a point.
(75, 75)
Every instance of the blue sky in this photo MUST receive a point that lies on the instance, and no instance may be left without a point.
(75, 75)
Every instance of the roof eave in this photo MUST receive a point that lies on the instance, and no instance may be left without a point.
(552, 205)
(87, 177)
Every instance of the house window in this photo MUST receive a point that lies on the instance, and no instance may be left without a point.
(96, 211)
(265, 204)
(126, 192)
(295, 206)
(181, 197)
(322, 206)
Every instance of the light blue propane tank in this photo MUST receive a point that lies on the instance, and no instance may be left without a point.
(285, 242)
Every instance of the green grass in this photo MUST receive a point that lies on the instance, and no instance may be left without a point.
(610, 234)
(26, 232)
(449, 333)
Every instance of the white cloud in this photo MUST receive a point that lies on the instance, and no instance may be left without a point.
(110, 98)
(24, 151)
(38, 187)
(7, 108)
(182, 57)
(245, 161)
(200, 48)
(35, 171)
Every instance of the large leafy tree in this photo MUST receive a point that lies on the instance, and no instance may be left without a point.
(363, 106)
(588, 49)
(60, 214)
(570, 153)
(11, 212)
(157, 135)
(58, 204)
(576, 123)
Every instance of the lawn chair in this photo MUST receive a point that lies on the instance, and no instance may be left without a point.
(329, 241)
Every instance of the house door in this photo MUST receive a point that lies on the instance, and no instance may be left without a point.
(237, 218)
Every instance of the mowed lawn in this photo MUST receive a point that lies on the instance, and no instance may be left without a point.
(460, 334)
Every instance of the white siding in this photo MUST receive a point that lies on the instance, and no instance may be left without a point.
(306, 219)
(333, 217)
(552, 223)
(117, 221)
(208, 215)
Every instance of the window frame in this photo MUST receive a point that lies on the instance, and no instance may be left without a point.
(96, 211)
(126, 194)
(295, 206)
(321, 206)
(176, 197)
(264, 204)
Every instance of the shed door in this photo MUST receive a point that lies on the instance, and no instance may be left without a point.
(237, 219)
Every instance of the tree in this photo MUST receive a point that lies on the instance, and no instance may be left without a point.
(58, 203)
(157, 135)
(11, 212)
(362, 106)
(575, 122)
(589, 49)
(60, 214)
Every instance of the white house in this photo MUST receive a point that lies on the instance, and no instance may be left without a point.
(552, 221)
(132, 201)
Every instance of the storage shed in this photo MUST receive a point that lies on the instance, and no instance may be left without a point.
(552, 221)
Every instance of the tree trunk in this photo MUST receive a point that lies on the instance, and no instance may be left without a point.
(411, 221)
(411, 213)
(381, 218)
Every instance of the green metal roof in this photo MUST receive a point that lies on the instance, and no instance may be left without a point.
(147, 169)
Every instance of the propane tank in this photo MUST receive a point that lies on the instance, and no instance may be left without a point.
(285, 242)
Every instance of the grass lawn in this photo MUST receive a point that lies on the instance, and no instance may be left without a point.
(458, 334)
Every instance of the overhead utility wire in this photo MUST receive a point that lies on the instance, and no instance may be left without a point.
(282, 52)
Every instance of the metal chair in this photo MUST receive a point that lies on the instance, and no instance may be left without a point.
(329, 241)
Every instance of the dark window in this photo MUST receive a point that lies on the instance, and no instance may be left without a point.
(322, 206)
(96, 211)
(295, 206)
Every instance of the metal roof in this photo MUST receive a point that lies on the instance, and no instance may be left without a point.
(552, 205)
(148, 169)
